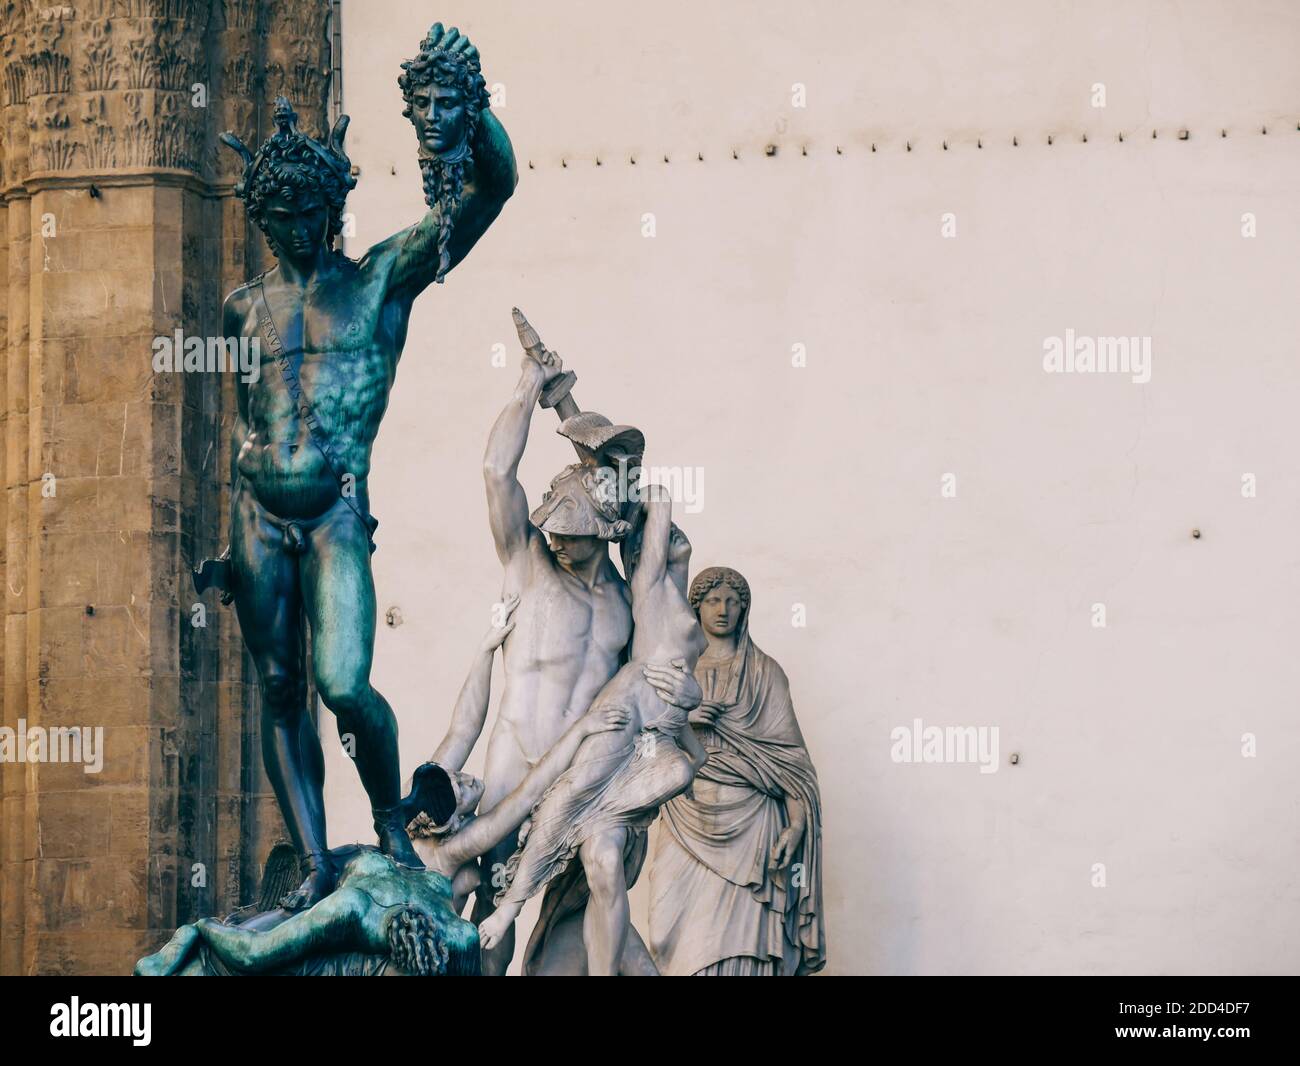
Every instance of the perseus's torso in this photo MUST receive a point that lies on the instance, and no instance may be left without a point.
(342, 340)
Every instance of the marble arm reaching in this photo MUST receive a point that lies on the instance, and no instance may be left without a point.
(489, 829)
(470, 713)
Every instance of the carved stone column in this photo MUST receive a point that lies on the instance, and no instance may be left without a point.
(121, 227)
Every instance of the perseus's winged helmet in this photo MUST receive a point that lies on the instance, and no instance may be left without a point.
(287, 135)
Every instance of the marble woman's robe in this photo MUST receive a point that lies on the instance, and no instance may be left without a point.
(715, 906)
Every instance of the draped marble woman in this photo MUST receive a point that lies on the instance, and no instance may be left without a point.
(735, 876)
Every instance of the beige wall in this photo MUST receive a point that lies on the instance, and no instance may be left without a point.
(924, 357)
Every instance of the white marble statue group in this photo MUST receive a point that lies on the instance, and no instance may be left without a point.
(626, 697)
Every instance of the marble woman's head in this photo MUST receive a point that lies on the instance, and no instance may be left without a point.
(719, 596)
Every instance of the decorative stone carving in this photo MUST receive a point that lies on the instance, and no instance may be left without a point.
(98, 70)
(14, 48)
(51, 145)
(98, 137)
(51, 69)
(245, 14)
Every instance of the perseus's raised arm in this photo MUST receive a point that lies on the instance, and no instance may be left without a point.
(467, 163)
(491, 183)
(425, 253)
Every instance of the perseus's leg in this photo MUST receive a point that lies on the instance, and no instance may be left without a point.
(339, 593)
(268, 601)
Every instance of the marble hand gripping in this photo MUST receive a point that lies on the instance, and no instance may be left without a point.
(596, 440)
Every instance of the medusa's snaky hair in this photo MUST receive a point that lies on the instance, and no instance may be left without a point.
(415, 944)
(422, 947)
(450, 70)
(444, 179)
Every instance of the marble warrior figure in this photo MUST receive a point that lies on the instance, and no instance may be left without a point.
(331, 331)
(618, 779)
(575, 617)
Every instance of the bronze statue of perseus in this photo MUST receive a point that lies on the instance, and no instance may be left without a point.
(331, 331)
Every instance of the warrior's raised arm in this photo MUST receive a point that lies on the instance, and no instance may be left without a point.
(466, 161)
(507, 503)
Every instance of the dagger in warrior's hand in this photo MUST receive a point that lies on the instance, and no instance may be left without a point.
(596, 440)
(556, 392)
